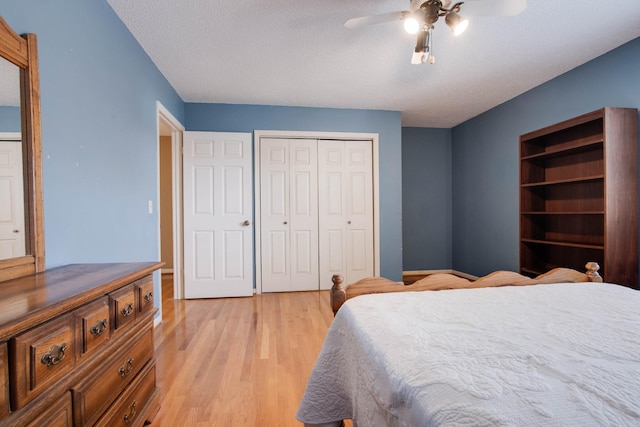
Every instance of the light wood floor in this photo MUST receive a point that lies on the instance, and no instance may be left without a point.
(237, 361)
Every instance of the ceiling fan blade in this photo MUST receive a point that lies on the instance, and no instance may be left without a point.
(492, 7)
(375, 19)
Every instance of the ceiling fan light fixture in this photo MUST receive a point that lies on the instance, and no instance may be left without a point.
(456, 23)
(418, 58)
(422, 52)
(422, 16)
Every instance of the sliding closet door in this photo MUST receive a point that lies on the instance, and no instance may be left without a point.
(345, 194)
(289, 214)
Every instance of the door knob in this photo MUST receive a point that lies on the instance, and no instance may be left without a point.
(285, 222)
(246, 223)
(348, 222)
(16, 231)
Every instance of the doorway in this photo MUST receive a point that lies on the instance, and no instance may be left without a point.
(169, 202)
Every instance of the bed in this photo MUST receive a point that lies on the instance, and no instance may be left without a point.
(561, 349)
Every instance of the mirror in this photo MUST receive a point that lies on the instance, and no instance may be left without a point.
(21, 57)
(12, 221)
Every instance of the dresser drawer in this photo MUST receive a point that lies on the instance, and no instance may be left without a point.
(92, 326)
(41, 356)
(127, 409)
(57, 415)
(123, 307)
(144, 294)
(93, 395)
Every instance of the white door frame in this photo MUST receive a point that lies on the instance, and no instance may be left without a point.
(343, 136)
(162, 113)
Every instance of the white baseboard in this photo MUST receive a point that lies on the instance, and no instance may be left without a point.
(427, 272)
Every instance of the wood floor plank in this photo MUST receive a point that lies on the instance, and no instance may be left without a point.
(238, 361)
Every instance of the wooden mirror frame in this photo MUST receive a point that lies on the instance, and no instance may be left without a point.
(23, 52)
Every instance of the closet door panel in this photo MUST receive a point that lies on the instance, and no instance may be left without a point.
(302, 255)
(359, 210)
(334, 258)
(274, 214)
(331, 200)
(357, 248)
(278, 194)
(289, 215)
(345, 196)
(304, 215)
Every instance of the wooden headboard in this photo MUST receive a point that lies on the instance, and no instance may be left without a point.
(441, 281)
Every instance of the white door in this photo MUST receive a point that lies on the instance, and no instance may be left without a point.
(218, 234)
(12, 232)
(345, 194)
(289, 215)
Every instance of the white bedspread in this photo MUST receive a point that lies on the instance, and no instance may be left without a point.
(543, 355)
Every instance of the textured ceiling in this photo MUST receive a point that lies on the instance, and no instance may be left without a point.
(298, 53)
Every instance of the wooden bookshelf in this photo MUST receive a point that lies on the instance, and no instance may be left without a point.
(579, 195)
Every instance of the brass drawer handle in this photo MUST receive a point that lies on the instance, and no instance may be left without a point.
(127, 310)
(55, 355)
(99, 328)
(148, 297)
(127, 418)
(126, 368)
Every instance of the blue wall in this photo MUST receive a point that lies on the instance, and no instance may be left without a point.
(99, 92)
(426, 199)
(99, 131)
(247, 118)
(485, 154)
(10, 119)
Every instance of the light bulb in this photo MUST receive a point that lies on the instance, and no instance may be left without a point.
(456, 23)
(411, 25)
(462, 25)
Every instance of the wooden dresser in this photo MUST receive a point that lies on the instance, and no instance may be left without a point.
(76, 347)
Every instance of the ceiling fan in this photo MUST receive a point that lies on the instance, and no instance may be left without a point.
(422, 15)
